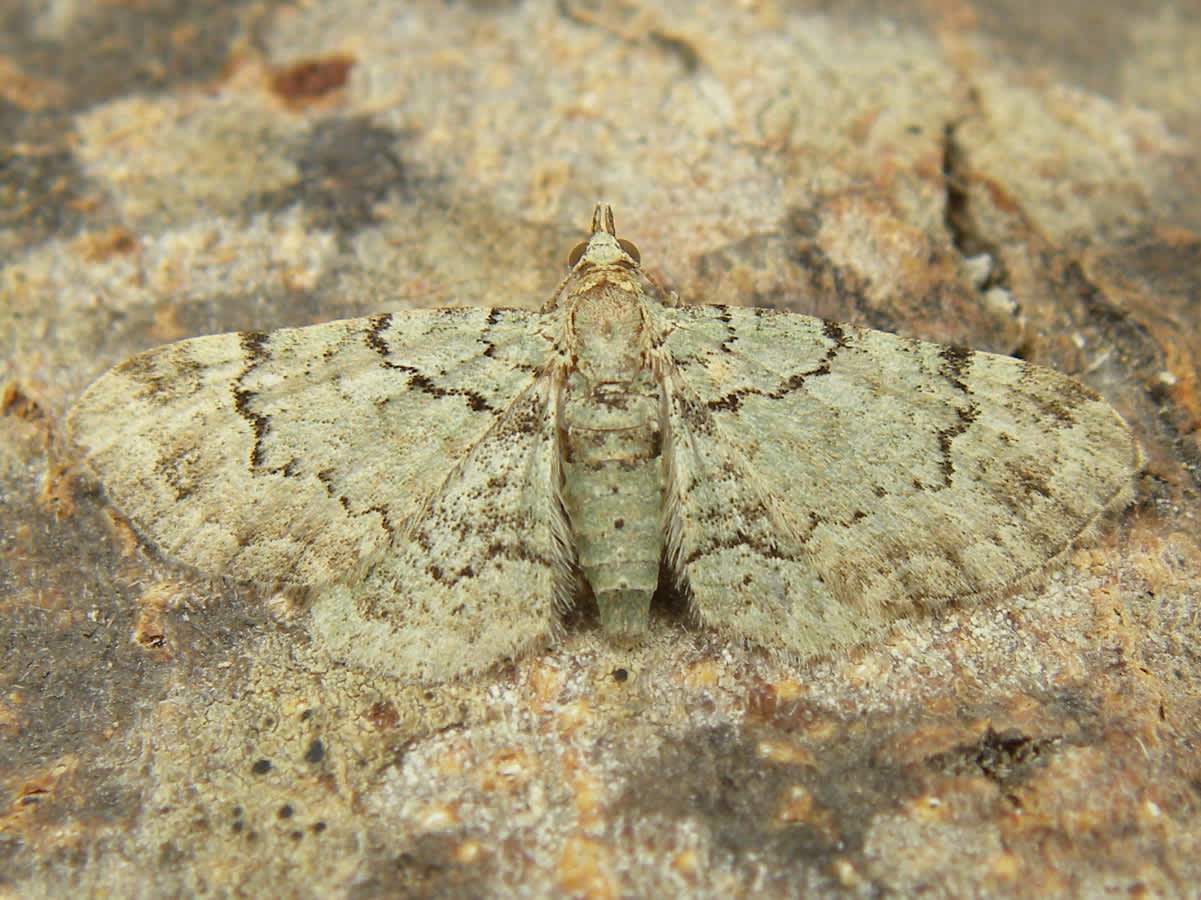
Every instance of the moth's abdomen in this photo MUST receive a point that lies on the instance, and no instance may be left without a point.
(613, 486)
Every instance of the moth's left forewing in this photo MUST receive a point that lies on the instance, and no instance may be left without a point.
(298, 454)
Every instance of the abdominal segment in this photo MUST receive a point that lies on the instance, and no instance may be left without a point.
(613, 489)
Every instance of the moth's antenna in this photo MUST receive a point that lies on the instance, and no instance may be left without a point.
(602, 219)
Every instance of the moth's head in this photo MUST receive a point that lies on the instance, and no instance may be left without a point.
(603, 249)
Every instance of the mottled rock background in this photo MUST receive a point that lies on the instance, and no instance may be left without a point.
(1013, 176)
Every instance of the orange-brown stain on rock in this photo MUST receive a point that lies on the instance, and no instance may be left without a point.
(307, 81)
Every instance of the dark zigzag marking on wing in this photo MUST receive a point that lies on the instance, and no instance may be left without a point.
(731, 401)
(954, 363)
(255, 346)
(419, 381)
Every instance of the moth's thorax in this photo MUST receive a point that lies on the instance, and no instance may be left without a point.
(608, 331)
(608, 384)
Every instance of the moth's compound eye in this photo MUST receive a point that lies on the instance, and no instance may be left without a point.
(576, 253)
(628, 247)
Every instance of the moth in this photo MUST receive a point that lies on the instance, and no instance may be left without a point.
(445, 481)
